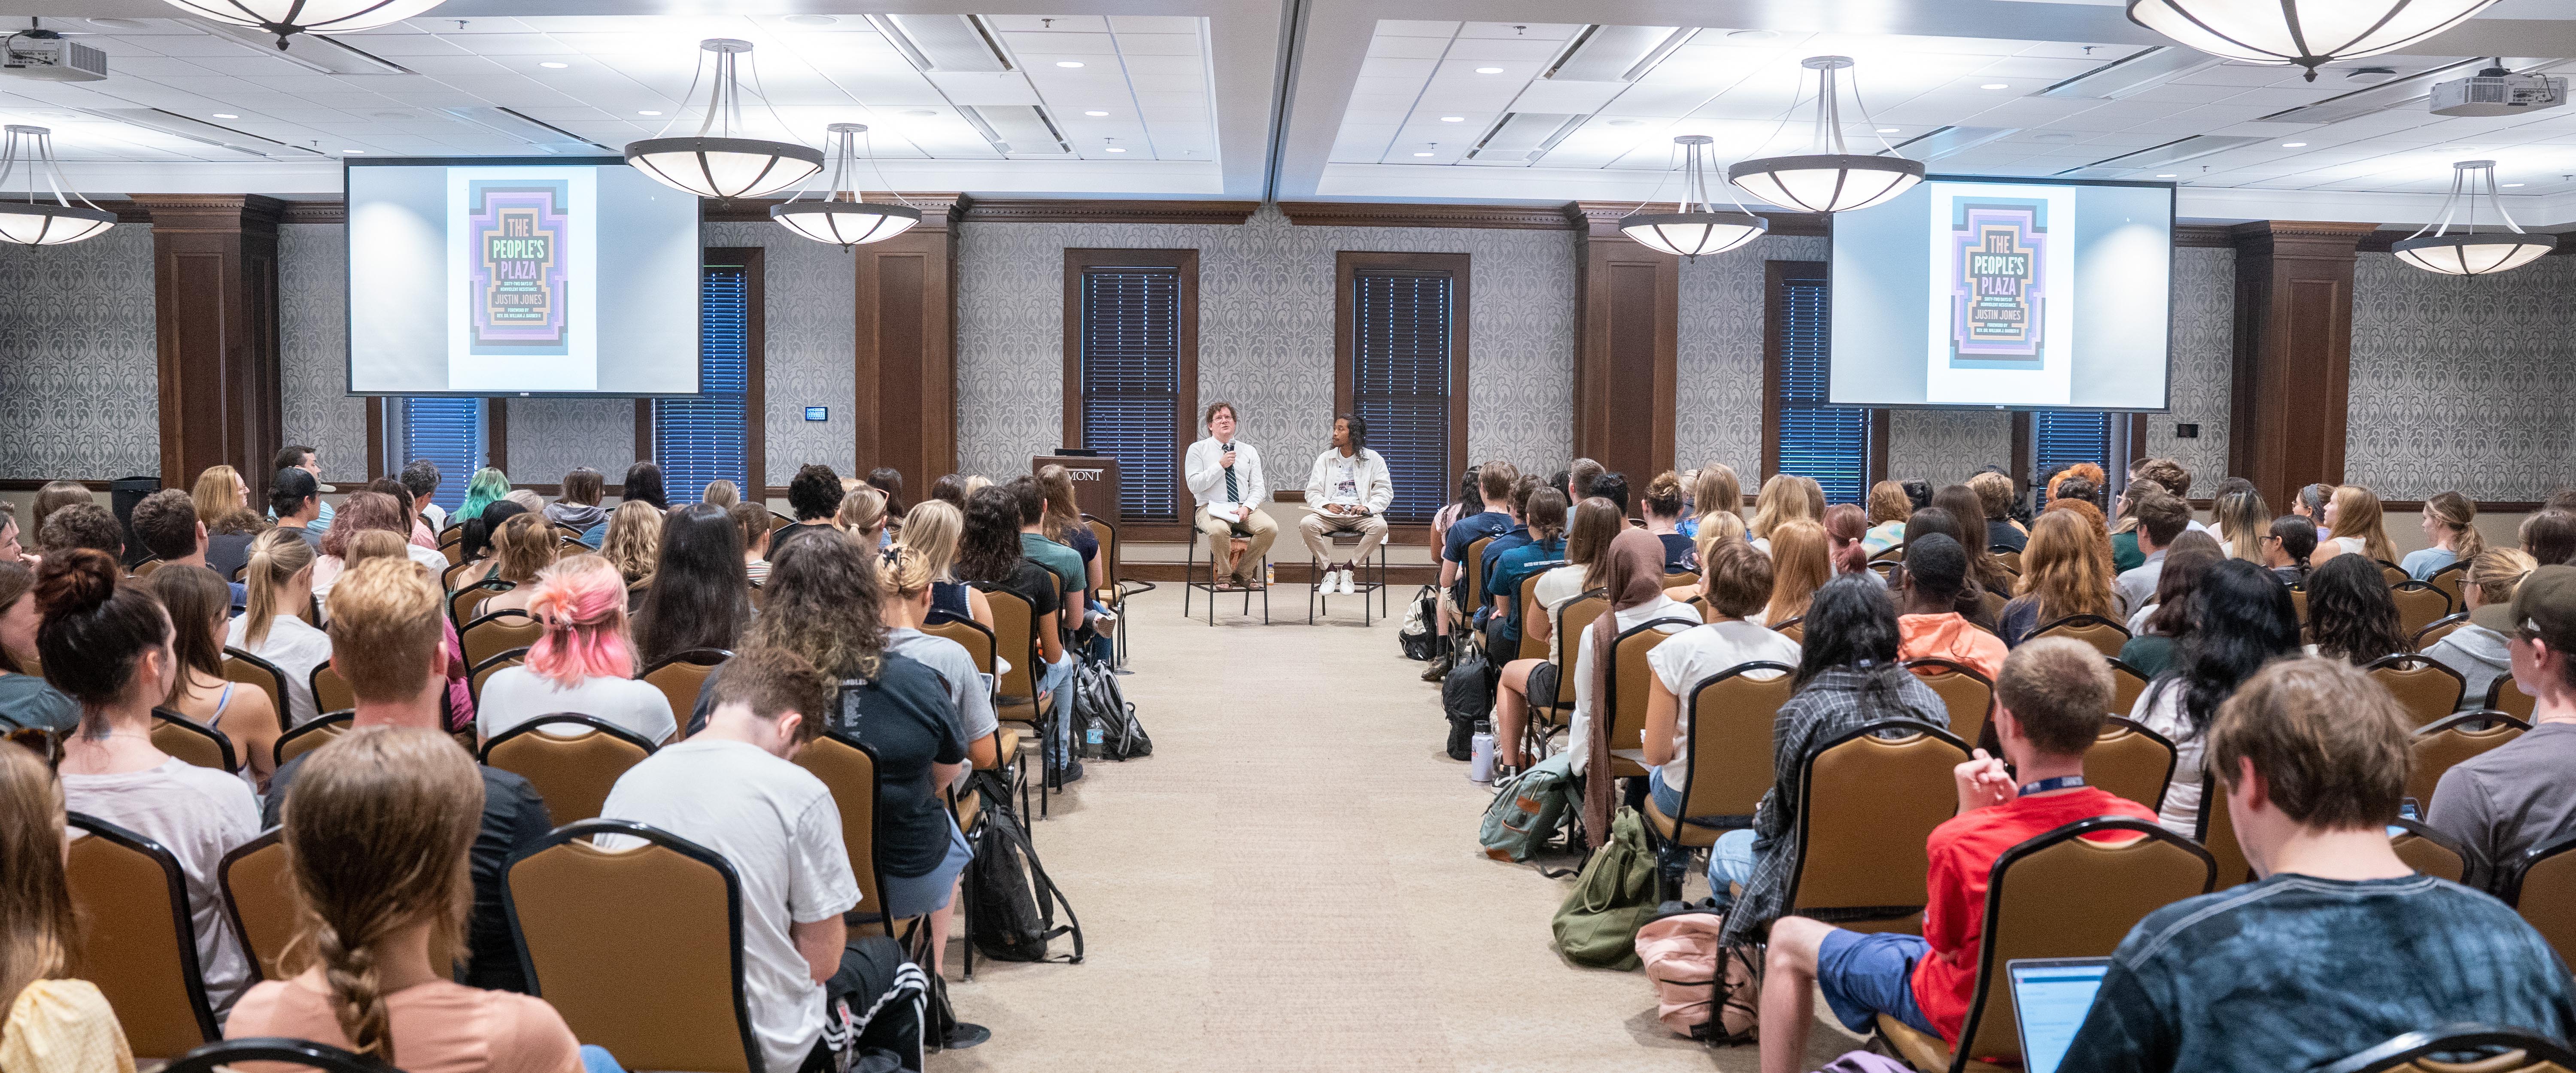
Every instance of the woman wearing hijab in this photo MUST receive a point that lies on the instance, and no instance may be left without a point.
(1633, 575)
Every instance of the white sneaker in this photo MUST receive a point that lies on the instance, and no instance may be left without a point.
(1347, 590)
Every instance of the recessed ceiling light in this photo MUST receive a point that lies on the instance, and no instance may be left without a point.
(1753, 35)
(226, 115)
(2165, 175)
(1422, 154)
(553, 66)
(1068, 63)
(2294, 145)
(1887, 130)
(119, 24)
(353, 150)
(1627, 122)
(809, 20)
(1994, 85)
(1489, 70)
(647, 111)
(2510, 186)
(1453, 119)
(1116, 149)
(1085, 113)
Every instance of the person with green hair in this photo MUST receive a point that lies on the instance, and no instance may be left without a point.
(487, 488)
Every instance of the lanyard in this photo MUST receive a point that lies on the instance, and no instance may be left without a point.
(2062, 782)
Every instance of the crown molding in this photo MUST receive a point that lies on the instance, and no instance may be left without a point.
(1419, 214)
(1100, 211)
(937, 210)
(2203, 236)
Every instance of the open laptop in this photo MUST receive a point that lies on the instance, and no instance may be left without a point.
(2051, 995)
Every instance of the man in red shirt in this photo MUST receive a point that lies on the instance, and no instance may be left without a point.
(2051, 697)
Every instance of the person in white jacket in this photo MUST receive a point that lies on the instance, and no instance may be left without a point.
(1224, 476)
(1348, 491)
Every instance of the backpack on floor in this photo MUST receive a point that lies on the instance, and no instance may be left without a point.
(1416, 638)
(1615, 895)
(1693, 974)
(1011, 904)
(1467, 696)
(1528, 809)
(1104, 720)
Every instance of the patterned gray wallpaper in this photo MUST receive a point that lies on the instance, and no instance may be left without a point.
(2461, 382)
(313, 349)
(808, 317)
(1265, 331)
(79, 377)
(2204, 358)
(1718, 404)
(1947, 446)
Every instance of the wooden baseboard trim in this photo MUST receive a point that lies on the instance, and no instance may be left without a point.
(1297, 573)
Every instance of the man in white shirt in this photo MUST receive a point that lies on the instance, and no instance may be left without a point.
(1225, 478)
(1348, 490)
(2161, 520)
(733, 788)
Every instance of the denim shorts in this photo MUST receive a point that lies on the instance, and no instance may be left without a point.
(912, 896)
(1863, 975)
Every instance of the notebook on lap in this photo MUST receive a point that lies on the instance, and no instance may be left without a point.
(2051, 996)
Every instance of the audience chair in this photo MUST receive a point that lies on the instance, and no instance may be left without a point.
(1681, 578)
(483, 672)
(639, 949)
(2440, 628)
(1016, 699)
(2131, 761)
(1726, 764)
(2127, 685)
(2011, 561)
(1629, 692)
(2543, 890)
(1115, 594)
(2103, 634)
(313, 735)
(1471, 570)
(1995, 602)
(1866, 803)
(250, 670)
(2395, 574)
(1572, 623)
(2428, 691)
(2418, 605)
(2431, 852)
(970, 635)
(681, 674)
(453, 547)
(447, 577)
(1190, 584)
(2506, 695)
(139, 944)
(849, 767)
(1884, 568)
(2449, 579)
(2299, 603)
(192, 741)
(1531, 646)
(286, 1053)
(2215, 830)
(2452, 741)
(490, 635)
(1894, 554)
(2462, 1048)
(2138, 869)
(145, 568)
(1794, 629)
(260, 898)
(1970, 697)
(465, 604)
(1370, 577)
(331, 693)
(572, 760)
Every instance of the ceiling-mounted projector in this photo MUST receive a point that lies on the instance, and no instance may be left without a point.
(2496, 91)
(44, 55)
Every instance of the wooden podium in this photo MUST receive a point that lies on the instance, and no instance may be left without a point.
(1095, 482)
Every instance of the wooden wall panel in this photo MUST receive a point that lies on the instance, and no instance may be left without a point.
(1626, 358)
(905, 411)
(2293, 352)
(215, 299)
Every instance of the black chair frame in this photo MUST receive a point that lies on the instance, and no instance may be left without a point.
(316, 725)
(2079, 620)
(222, 740)
(1119, 587)
(2449, 1040)
(190, 972)
(295, 1052)
(1605, 706)
(2173, 755)
(1672, 858)
(1806, 813)
(2454, 619)
(1371, 577)
(1986, 738)
(1010, 765)
(2511, 885)
(1527, 581)
(224, 882)
(473, 675)
(559, 719)
(1190, 584)
(2409, 586)
(2473, 872)
(495, 584)
(276, 674)
(1049, 773)
(589, 829)
(701, 657)
(864, 915)
(2405, 661)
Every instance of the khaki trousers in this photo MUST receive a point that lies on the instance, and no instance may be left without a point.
(1318, 527)
(1264, 533)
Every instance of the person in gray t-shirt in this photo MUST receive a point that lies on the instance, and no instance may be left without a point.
(2521, 795)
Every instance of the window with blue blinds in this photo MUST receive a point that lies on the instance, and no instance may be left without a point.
(1827, 443)
(1400, 383)
(706, 437)
(1131, 382)
(2061, 438)
(447, 431)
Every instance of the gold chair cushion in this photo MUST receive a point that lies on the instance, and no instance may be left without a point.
(1690, 834)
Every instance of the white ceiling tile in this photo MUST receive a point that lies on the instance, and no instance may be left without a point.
(976, 87)
(1061, 44)
(1048, 23)
(1158, 44)
(1415, 28)
(1541, 31)
(1507, 48)
(1377, 67)
(1155, 24)
(1166, 65)
(1145, 83)
(1548, 95)
(1420, 48)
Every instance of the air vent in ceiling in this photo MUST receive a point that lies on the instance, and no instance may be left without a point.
(2157, 156)
(325, 54)
(1018, 129)
(2394, 93)
(178, 125)
(2131, 73)
(943, 43)
(543, 137)
(1521, 137)
(1617, 53)
(1947, 141)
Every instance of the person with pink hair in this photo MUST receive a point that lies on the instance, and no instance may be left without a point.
(584, 661)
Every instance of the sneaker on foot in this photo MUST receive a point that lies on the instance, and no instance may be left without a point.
(964, 1035)
(1347, 589)
(1438, 671)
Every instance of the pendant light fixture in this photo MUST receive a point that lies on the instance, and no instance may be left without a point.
(716, 163)
(31, 222)
(2469, 253)
(841, 217)
(2309, 33)
(1832, 178)
(287, 17)
(1696, 225)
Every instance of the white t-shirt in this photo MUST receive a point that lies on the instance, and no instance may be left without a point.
(295, 648)
(514, 695)
(1556, 588)
(198, 814)
(1705, 651)
(1660, 607)
(777, 825)
(2160, 709)
(327, 569)
(1342, 478)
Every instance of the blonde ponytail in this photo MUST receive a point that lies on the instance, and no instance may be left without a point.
(275, 557)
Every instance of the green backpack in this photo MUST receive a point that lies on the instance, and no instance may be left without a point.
(1528, 809)
(1615, 895)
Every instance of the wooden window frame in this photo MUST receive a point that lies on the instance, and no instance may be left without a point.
(1347, 267)
(1185, 263)
(1774, 275)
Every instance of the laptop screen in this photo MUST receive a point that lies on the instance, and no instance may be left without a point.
(2052, 995)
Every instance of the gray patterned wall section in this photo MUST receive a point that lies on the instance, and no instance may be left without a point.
(809, 321)
(2204, 360)
(313, 350)
(79, 364)
(1718, 404)
(2461, 382)
(1265, 332)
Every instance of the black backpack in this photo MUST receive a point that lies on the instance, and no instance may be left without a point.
(1424, 643)
(1467, 697)
(1011, 904)
(1103, 716)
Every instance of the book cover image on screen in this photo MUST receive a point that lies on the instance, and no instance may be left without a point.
(2004, 293)
(474, 277)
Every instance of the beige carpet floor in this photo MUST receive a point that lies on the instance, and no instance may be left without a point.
(1292, 882)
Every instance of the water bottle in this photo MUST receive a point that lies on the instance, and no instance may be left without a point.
(1480, 766)
(1269, 573)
